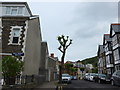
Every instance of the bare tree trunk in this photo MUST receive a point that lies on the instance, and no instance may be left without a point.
(61, 67)
(60, 74)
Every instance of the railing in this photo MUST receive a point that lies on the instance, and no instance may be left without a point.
(26, 79)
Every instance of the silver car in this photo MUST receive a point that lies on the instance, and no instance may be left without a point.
(66, 78)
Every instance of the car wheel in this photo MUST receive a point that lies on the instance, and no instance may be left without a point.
(112, 83)
(99, 81)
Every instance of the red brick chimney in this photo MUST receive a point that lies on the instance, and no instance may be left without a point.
(52, 55)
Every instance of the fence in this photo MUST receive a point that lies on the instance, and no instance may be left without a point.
(26, 79)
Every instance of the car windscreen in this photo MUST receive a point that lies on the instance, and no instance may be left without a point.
(102, 75)
(92, 74)
(118, 73)
(65, 75)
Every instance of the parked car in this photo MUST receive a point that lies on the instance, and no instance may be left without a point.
(1, 81)
(66, 78)
(100, 78)
(74, 77)
(91, 76)
(115, 79)
(108, 79)
(85, 77)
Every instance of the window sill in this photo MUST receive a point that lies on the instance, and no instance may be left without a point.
(13, 44)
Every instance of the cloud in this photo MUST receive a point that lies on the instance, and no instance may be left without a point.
(90, 21)
(84, 22)
(93, 18)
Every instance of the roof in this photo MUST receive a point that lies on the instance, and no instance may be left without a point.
(25, 3)
(115, 27)
(107, 38)
(101, 49)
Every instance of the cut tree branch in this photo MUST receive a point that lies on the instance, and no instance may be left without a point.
(60, 49)
(69, 44)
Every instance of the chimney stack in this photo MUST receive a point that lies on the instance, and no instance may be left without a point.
(52, 55)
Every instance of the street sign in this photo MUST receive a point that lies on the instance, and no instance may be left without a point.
(18, 54)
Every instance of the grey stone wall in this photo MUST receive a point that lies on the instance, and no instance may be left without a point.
(52, 68)
(7, 23)
(33, 48)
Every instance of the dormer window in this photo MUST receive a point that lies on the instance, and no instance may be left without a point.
(14, 10)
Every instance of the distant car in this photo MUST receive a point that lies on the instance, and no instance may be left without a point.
(72, 77)
(100, 78)
(75, 77)
(115, 79)
(66, 78)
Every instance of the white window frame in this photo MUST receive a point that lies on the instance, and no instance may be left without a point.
(0, 29)
(14, 7)
(11, 36)
(116, 54)
(113, 32)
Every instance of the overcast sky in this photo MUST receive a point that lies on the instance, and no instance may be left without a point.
(84, 22)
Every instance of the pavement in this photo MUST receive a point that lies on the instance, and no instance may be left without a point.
(51, 84)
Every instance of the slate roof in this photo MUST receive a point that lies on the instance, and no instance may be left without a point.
(25, 3)
(100, 49)
(107, 38)
(115, 27)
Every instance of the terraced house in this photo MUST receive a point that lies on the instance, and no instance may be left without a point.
(115, 35)
(102, 59)
(111, 46)
(20, 36)
(107, 42)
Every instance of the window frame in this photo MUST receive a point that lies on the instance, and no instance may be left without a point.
(11, 35)
(114, 40)
(12, 8)
(116, 54)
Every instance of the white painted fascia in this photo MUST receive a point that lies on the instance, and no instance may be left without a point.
(1, 29)
(117, 62)
(6, 54)
(24, 38)
(117, 45)
(108, 52)
(110, 65)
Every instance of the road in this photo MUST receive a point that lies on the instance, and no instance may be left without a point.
(82, 84)
(0, 87)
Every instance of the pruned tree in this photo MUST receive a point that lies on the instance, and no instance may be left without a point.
(64, 42)
(11, 67)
